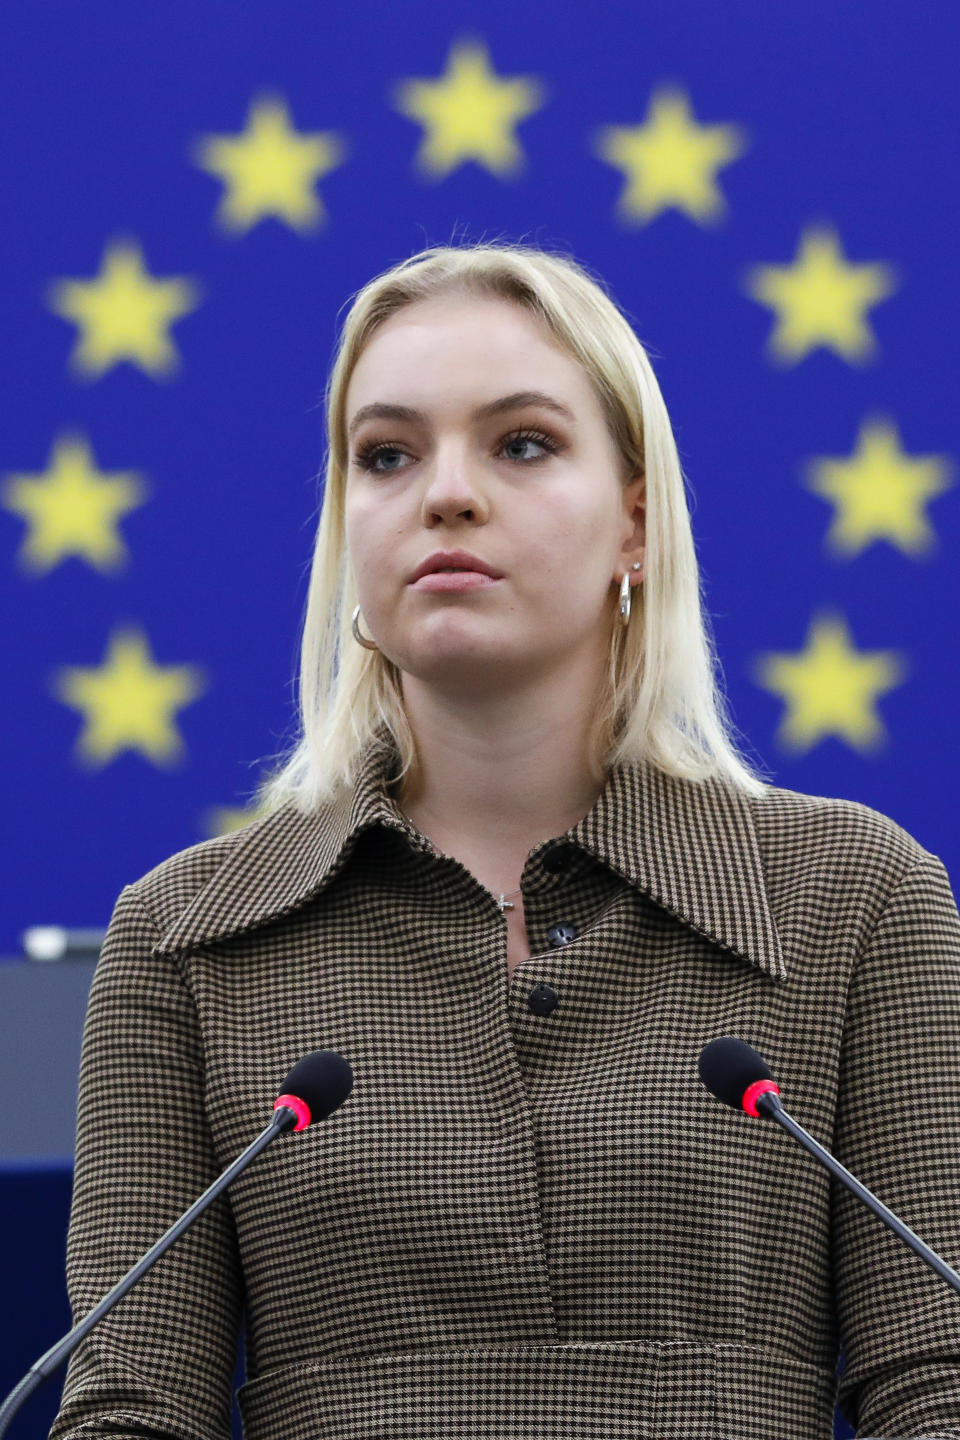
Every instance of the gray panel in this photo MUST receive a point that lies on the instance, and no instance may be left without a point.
(41, 1025)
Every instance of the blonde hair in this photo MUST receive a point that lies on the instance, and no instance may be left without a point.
(661, 701)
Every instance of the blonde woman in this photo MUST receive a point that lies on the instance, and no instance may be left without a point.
(517, 872)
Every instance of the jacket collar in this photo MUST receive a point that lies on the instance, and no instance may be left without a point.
(690, 845)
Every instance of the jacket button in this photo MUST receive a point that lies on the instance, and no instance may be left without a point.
(561, 934)
(542, 999)
(557, 859)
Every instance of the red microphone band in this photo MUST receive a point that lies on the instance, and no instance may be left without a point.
(300, 1107)
(751, 1095)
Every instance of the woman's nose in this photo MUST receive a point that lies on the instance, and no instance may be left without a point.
(454, 491)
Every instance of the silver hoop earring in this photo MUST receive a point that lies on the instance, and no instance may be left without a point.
(625, 600)
(361, 639)
(625, 596)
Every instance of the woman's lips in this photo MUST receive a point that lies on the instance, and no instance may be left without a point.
(453, 580)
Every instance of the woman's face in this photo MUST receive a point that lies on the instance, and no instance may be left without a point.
(529, 490)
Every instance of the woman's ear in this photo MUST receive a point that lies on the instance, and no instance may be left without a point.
(635, 521)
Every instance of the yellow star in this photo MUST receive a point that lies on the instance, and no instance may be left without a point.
(879, 492)
(223, 819)
(73, 509)
(270, 169)
(670, 160)
(128, 702)
(820, 299)
(123, 313)
(830, 688)
(469, 113)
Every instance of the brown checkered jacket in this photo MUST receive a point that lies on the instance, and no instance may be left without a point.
(529, 1221)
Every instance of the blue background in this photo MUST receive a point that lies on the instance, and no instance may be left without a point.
(849, 116)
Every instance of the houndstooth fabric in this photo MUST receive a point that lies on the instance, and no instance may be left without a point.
(525, 1223)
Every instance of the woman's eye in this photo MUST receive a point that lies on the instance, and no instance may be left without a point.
(543, 441)
(367, 459)
(369, 456)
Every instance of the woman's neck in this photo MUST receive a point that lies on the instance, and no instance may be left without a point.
(507, 769)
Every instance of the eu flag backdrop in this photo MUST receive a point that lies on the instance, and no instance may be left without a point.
(193, 191)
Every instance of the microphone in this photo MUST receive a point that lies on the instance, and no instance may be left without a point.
(315, 1087)
(734, 1072)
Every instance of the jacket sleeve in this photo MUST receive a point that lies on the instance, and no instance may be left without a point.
(161, 1363)
(898, 1130)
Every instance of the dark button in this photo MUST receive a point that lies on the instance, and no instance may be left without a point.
(542, 999)
(561, 934)
(556, 859)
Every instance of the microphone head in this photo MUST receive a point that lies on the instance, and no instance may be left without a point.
(734, 1072)
(316, 1086)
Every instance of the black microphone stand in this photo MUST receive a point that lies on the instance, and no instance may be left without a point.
(283, 1119)
(770, 1105)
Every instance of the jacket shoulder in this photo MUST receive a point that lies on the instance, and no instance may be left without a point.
(824, 835)
(169, 887)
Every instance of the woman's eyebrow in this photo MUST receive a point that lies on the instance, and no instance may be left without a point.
(516, 401)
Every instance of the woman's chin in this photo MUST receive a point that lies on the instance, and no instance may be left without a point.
(451, 634)
(446, 658)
